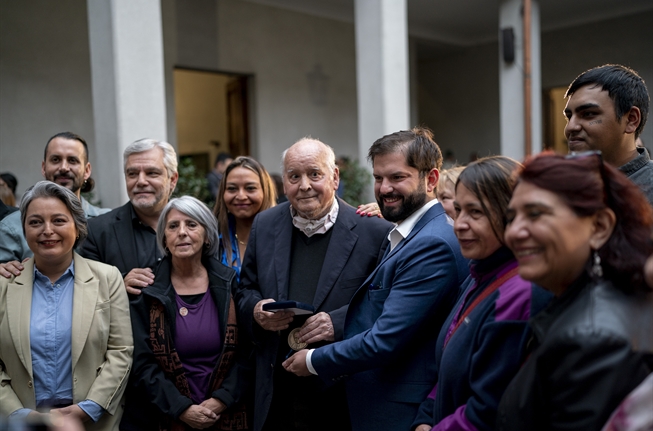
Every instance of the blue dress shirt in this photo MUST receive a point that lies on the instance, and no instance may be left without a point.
(50, 335)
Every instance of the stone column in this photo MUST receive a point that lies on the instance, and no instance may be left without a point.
(382, 75)
(127, 69)
(511, 82)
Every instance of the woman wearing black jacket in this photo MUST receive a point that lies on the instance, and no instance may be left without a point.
(580, 229)
(190, 369)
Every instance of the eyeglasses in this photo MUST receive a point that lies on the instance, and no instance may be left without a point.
(585, 154)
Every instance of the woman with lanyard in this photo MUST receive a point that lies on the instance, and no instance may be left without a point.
(475, 352)
(245, 190)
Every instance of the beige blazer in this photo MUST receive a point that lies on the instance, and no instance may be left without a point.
(102, 344)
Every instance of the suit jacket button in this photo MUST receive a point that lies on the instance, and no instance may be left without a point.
(29, 384)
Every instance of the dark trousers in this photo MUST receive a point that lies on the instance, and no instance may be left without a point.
(303, 403)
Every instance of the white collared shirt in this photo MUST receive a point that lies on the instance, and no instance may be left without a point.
(319, 226)
(403, 229)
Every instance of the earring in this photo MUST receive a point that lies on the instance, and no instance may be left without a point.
(597, 270)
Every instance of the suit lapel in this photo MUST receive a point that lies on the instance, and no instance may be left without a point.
(85, 293)
(340, 247)
(19, 307)
(433, 212)
(125, 237)
(282, 250)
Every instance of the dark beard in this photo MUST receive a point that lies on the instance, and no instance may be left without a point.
(410, 204)
(74, 185)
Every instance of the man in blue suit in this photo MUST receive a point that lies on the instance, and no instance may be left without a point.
(394, 318)
(313, 249)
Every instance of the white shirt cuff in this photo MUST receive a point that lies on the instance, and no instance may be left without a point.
(309, 364)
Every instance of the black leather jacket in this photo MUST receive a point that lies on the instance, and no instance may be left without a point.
(593, 346)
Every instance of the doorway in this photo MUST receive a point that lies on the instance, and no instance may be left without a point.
(554, 120)
(212, 116)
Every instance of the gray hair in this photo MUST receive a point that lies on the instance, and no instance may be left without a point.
(142, 145)
(198, 211)
(48, 189)
(330, 155)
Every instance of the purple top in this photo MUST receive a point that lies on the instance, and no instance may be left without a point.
(198, 343)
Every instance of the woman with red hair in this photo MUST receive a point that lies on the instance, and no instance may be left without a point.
(580, 229)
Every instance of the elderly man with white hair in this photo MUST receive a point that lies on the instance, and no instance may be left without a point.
(316, 250)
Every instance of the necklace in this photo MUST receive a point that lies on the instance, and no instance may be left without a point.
(239, 241)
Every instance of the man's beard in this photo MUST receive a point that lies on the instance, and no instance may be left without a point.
(74, 185)
(409, 205)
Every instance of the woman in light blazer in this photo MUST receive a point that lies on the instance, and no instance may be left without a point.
(65, 333)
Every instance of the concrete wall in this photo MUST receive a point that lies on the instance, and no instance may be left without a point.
(45, 81)
(458, 91)
(280, 49)
(459, 100)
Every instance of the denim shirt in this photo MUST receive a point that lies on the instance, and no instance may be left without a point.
(51, 320)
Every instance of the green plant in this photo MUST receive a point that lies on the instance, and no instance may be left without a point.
(356, 180)
(192, 183)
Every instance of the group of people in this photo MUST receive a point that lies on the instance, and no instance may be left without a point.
(494, 296)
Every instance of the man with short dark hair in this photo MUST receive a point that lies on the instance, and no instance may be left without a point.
(394, 318)
(313, 249)
(606, 110)
(65, 162)
(215, 175)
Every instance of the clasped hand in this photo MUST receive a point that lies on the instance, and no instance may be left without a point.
(203, 415)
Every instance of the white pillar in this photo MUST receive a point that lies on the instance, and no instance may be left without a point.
(381, 70)
(511, 82)
(127, 69)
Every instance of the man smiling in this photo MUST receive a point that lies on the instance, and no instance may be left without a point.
(126, 237)
(606, 110)
(65, 162)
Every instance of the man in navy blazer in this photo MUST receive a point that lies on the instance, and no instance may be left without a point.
(393, 320)
(313, 249)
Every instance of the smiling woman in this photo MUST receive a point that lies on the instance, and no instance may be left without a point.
(476, 359)
(246, 190)
(580, 229)
(80, 360)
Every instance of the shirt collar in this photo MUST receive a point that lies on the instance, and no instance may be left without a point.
(68, 273)
(403, 229)
(319, 226)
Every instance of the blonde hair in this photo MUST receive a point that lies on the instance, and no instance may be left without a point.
(451, 175)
